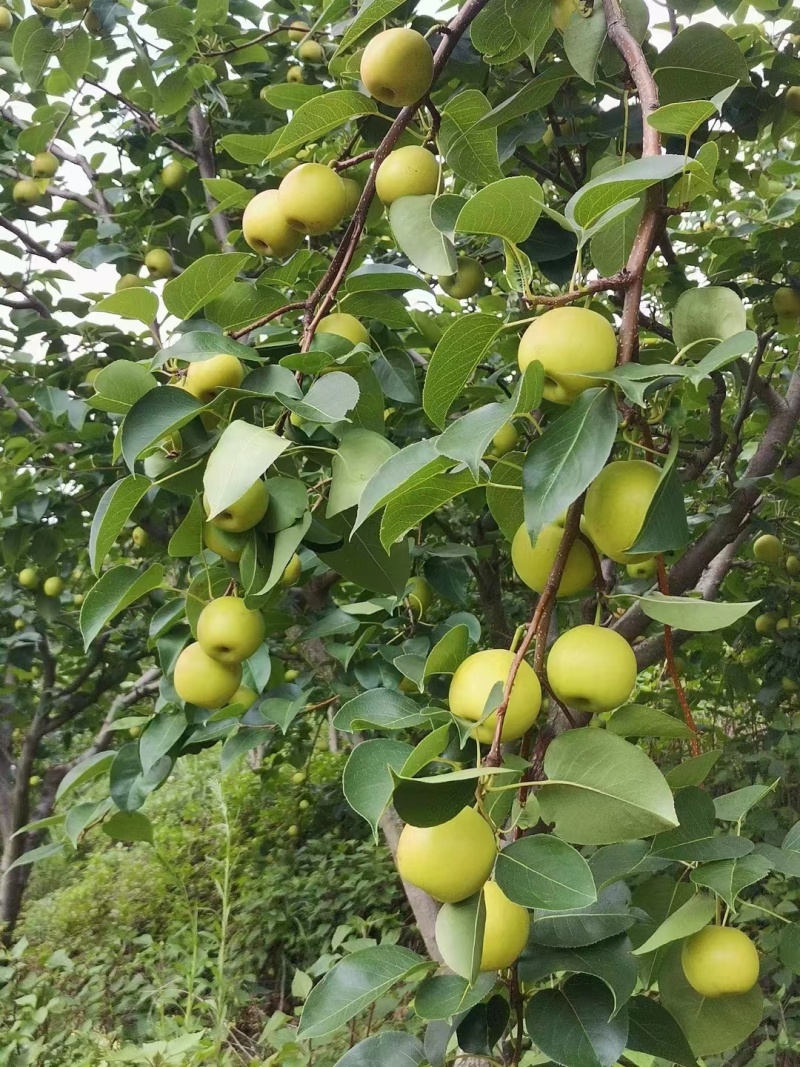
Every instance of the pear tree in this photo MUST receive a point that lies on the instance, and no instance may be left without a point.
(425, 380)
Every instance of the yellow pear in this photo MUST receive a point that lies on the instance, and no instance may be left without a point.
(506, 932)
(346, 326)
(44, 165)
(792, 566)
(228, 631)
(312, 198)
(467, 281)
(159, 263)
(6, 19)
(505, 440)
(397, 67)
(227, 545)
(140, 537)
(245, 696)
(28, 577)
(53, 586)
(474, 681)
(533, 562)
(569, 343)
(265, 228)
(244, 513)
(298, 30)
(26, 193)
(450, 861)
(205, 377)
(353, 193)
(409, 171)
(720, 961)
(643, 569)
(768, 549)
(174, 176)
(294, 75)
(592, 669)
(617, 502)
(204, 681)
(311, 52)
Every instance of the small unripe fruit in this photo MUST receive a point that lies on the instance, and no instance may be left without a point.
(419, 596)
(786, 301)
(791, 100)
(140, 537)
(291, 675)
(44, 165)
(303, 805)
(505, 440)
(28, 577)
(78, 599)
(6, 19)
(26, 193)
(467, 281)
(159, 263)
(298, 777)
(244, 513)
(174, 176)
(783, 625)
(397, 67)
(53, 586)
(128, 281)
(311, 52)
(765, 623)
(294, 75)
(292, 571)
(19, 624)
(298, 30)
(35, 779)
(792, 566)
(768, 549)
(293, 831)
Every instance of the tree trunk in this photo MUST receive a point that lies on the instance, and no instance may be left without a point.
(423, 906)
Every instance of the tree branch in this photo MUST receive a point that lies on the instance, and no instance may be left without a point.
(204, 154)
(30, 243)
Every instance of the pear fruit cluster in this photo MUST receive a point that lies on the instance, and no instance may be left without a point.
(311, 200)
(28, 192)
(208, 673)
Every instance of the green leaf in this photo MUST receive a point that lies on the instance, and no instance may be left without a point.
(75, 54)
(202, 280)
(789, 948)
(240, 457)
(653, 1030)
(459, 935)
(113, 511)
(508, 208)
(740, 344)
(405, 510)
(536, 94)
(665, 527)
(434, 799)
(636, 720)
(467, 342)
(118, 387)
(31, 47)
(129, 826)
(448, 652)
(161, 733)
(188, 538)
(688, 613)
(396, 472)
(732, 807)
(86, 771)
(602, 789)
(567, 457)
(695, 839)
(385, 709)
(416, 235)
(362, 558)
(543, 872)
(367, 782)
(578, 927)
(504, 494)
(574, 1024)
(612, 242)
(506, 29)
(390, 1048)
(693, 771)
(328, 400)
(711, 1025)
(319, 116)
(368, 16)
(34, 855)
(446, 995)
(610, 960)
(249, 148)
(583, 41)
(372, 277)
(353, 984)
(470, 153)
(137, 303)
(360, 454)
(111, 594)
(681, 119)
(128, 785)
(614, 862)
(727, 878)
(690, 917)
(153, 417)
(622, 183)
(700, 62)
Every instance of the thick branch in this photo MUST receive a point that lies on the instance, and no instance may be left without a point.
(204, 154)
(30, 243)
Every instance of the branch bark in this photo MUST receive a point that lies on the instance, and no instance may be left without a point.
(204, 154)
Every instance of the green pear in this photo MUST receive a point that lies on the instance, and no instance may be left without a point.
(44, 165)
(244, 513)
(569, 342)
(408, 171)
(312, 198)
(292, 571)
(205, 377)
(467, 281)
(174, 175)
(534, 562)
(6, 19)
(53, 586)
(265, 228)
(473, 683)
(26, 193)
(228, 631)
(768, 549)
(397, 67)
(505, 440)
(506, 929)
(203, 681)
(720, 961)
(419, 595)
(592, 669)
(159, 263)
(227, 545)
(616, 506)
(28, 577)
(294, 75)
(450, 861)
(346, 326)
(311, 52)
(128, 281)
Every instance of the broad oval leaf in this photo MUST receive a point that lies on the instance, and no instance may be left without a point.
(202, 280)
(367, 783)
(240, 457)
(465, 343)
(508, 208)
(688, 613)
(575, 1024)
(415, 233)
(543, 872)
(111, 594)
(113, 511)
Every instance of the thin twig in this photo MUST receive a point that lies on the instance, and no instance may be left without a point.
(663, 585)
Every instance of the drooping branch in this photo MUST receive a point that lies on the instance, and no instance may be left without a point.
(32, 245)
(141, 117)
